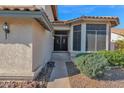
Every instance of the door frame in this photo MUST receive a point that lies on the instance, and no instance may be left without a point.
(66, 44)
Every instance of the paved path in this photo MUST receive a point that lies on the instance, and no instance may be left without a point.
(59, 77)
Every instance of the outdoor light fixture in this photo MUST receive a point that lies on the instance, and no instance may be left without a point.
(6, 29)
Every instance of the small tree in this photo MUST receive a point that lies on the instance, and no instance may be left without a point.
(119, 44)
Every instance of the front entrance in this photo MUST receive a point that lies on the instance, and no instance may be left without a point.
(60, 41)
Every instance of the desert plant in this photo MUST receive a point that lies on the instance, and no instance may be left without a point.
(82, 54)
(92, 65)
(115, 58)
(119, 44)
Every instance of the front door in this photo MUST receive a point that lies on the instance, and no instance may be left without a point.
(60, 43)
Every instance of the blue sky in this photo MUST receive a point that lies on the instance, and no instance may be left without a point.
(66, 12)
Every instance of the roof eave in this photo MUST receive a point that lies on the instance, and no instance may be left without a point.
(116, 21)
(54, 10)
(46, 21)
(40, 16)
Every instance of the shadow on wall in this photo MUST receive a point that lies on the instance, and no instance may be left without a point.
(16, 37)
(20, 31)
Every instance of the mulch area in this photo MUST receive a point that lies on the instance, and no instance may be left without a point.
(112, 79)
(40, 82)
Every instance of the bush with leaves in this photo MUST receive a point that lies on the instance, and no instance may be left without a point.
(82, 54)
(115, 58)
(119, 44)
(92, 65)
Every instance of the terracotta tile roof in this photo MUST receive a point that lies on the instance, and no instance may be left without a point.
(118, 31)
(99, 17)
(59, 22)
(95, 17)
(19, 7)
(113, 19)
(27, 8)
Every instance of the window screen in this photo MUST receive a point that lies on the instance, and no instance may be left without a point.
(101, 40)
(90, 41)
(77, 38)
(95, 37)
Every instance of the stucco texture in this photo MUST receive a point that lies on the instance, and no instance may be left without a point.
(42, 45)
(25, 49)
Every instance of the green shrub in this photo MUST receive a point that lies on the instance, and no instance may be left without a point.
(119, 44)
(115, 58)
(82, 54)
(92, 65)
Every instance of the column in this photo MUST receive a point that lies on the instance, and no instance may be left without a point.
(83, 37)
(107, 36)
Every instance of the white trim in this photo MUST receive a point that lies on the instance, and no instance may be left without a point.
(107, 36)
(72, 35)
(96, 40)
(83, 37)
(71, 39)
(69, 46)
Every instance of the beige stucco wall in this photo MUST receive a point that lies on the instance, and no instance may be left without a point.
(16, 51)
(27, 49)
(61, 27)
(48, 11)
(42, 46)
(115, 37)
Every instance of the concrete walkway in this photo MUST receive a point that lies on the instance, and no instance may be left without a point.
(59, 77)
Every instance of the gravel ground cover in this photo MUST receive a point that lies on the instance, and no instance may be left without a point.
(40, 82)
(112, 79)
(20, 84)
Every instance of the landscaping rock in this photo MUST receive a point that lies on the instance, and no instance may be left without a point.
(113, 78)
(20, 84)
(40, 82)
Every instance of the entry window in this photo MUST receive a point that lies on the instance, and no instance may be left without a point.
(60, 40)
(95, 37)
(61, 32)
(77, 38)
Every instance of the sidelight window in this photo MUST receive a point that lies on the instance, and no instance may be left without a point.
(77, 38)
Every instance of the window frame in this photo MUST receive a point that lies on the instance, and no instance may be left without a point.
(78, 31)
(96, 36)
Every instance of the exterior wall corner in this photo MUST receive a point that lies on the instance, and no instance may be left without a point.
(83, 37)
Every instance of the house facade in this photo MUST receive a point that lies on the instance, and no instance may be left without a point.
(30, 34)
(28, 45)
(116, 34)
(84, 34)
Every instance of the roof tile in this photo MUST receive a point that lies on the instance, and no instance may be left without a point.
(19, 7)
(118, 31)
